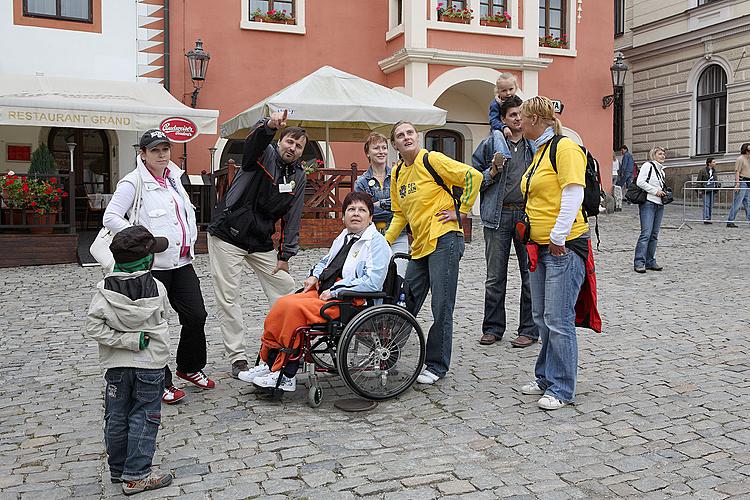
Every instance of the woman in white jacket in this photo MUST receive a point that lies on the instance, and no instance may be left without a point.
(651, 180)
(166, 211)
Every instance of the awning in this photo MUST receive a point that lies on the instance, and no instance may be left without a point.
(99, 104)
(337, 106)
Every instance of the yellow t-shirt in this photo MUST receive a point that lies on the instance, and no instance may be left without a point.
(545, 191)
(416, 199)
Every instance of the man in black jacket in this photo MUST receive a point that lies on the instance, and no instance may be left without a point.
(270, 187)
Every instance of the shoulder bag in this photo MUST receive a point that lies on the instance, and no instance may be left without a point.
(100, 247)
(635, 194)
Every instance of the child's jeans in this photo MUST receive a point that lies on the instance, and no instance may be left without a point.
(132, 413)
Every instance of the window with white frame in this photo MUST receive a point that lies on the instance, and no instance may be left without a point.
(711, 111)
(553, 30)
(282, 10)
(488, 8)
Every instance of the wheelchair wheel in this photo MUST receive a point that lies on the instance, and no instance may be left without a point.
(314, 396)
(381, 352)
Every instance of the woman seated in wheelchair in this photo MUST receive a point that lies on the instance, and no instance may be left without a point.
(357, 262)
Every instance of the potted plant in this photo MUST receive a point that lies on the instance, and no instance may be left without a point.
(554, 42)
(273, 16)
(453, 15)
(501, 20)
(31, 201)
(42, 162)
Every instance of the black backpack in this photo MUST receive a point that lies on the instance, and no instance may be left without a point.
(592, 192)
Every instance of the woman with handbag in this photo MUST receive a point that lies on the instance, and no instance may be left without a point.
(164, 208)
(558, 248)
(651, 180)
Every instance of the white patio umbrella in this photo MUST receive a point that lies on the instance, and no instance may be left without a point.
(336, 106)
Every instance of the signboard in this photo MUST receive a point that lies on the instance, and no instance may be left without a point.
(558, 105)
(179, 129)
(18, 152)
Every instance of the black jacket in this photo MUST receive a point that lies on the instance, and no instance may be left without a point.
(246, 217)
(703, 176)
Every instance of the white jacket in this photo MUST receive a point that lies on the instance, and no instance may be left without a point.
(655, 183)
(366, 264)
(157, 213)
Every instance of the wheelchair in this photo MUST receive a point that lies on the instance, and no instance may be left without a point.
(375, 345)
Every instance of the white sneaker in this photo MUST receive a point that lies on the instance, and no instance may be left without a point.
(427, 377)
(532, 389)
(256, 371)
(548, 402)
(287, 384)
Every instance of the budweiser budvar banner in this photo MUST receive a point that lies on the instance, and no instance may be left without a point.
(179, 129)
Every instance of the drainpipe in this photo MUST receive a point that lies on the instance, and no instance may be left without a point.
(166, 45)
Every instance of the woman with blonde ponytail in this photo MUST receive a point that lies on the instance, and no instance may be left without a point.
(558, 249)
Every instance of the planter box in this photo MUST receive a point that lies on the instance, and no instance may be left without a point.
(458, 20)
(496, 24)
(40, 224)
(38, 249)
(260, 19)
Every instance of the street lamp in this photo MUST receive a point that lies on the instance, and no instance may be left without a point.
(198, 62)
(618, 70)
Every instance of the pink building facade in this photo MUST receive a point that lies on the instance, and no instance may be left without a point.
(406, 45)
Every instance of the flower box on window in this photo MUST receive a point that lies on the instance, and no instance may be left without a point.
(453, 15)
(273, 16)
(554, 42)
(497, 20)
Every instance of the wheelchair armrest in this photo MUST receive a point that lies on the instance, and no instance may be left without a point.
(345, 294)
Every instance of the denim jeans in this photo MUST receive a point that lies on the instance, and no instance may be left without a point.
(645, 250)
(497, 252)
(708, 204)
(185, 297)
(437, 273)
(554, 291)
(132, 414)
(741, 198)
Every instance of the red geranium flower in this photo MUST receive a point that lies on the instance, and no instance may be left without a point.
(25, 188)
(33, 203)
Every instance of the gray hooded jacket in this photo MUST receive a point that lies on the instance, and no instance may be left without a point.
(126, 304)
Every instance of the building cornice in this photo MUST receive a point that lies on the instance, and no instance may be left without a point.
(402, 57)
(709, 34)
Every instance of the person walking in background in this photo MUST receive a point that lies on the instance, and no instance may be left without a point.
(627, 166)
(433, 213)
(376, 182)
(166, 210)
(707, 180)
(269, 187)
(501, 208)
(615, 169)
(652, 180)
(559, 248)
(741, 185)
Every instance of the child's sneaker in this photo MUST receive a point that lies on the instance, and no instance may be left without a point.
(172, 395)
(151, 482)
(257, 371)
(287, 384)
(198, 378)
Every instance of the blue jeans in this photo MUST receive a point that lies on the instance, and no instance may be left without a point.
(554, 291)
(645, 250)
(437, 273)
(708, 204)
(132, 414)
(496, 252)
(741, 198)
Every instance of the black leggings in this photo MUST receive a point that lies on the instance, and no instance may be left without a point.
(184, 293)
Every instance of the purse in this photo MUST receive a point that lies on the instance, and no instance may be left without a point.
(635, 194)
(100, 247)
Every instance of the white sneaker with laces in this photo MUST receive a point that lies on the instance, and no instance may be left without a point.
(548, 402)
(427, 377)
(532, 389)
(256, 371)
(287, 384)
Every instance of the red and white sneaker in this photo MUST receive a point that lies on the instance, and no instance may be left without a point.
(172, 395)
(198, 378)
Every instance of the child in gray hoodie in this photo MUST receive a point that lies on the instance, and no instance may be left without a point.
(127, 317)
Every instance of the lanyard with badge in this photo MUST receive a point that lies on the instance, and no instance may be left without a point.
(286, 187)
(523, 226)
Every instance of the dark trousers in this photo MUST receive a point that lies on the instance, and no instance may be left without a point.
(437, 273)
(132, 414)
(184, 293)
(497, 252)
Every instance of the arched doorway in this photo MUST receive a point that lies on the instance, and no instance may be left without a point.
(448, 142)
(91, 159)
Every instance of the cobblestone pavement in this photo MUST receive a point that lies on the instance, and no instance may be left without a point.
(661, 411)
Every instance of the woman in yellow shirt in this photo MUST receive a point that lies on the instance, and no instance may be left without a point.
(438, 241)
(559, 230)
